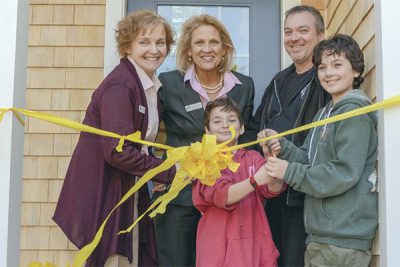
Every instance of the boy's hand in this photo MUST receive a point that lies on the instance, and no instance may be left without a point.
(272, 147)
(276, 168)
(261, 176)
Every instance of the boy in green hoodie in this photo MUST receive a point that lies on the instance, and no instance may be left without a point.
(335, 167)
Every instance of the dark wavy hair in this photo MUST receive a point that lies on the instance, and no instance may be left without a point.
(341, 44)
(227, 105)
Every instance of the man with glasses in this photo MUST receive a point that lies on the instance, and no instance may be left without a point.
(291, 99)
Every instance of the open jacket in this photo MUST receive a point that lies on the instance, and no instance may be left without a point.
(314, 98)
(185, 125)
(335, 168)
(98, 176)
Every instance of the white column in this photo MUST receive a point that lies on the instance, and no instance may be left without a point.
(115, 11)
(13, 51)
(388, 84)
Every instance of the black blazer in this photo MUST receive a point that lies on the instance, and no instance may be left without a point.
(182, 113)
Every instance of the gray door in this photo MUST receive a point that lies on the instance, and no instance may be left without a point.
(254, 27)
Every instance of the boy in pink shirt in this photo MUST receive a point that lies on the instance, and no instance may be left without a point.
(233, 229)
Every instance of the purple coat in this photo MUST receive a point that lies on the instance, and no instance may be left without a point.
(98, 176)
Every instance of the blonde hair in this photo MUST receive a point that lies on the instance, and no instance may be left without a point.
(182, 57)
(129, 27)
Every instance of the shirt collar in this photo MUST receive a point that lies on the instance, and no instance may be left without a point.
(230, 80)
(145, 80)
(189, 76)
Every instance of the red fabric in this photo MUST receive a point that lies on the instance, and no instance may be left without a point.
(239, 234)
(98, 176)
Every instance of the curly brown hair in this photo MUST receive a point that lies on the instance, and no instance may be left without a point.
(129, 27)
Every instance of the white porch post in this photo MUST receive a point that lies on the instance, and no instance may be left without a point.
(388, 84)
(115, 11)
(14, 17)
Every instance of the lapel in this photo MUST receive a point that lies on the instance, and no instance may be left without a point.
(192, 106)
(236, 93)
(142, 95)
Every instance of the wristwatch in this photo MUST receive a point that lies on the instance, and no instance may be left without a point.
(253, 182)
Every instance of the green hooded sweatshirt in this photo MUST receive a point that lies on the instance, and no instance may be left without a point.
(335, 168)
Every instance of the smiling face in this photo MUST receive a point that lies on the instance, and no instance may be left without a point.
(300, 38)
(336, 75)
(219, 123)
(149, 49)
(206, 48)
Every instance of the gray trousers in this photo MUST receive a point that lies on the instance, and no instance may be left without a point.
(319, 254)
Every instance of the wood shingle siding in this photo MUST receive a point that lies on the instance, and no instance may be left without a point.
(65, 65)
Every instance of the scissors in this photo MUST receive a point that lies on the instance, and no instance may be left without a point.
(270, 151)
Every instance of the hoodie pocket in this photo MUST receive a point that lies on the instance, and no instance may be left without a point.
(269, 253)
(238, 251)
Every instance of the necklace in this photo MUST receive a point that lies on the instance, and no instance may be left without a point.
(211, 89)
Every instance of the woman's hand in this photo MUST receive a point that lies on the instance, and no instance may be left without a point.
(158, 187)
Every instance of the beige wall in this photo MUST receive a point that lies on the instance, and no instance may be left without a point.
(318, 4)
(65, 64)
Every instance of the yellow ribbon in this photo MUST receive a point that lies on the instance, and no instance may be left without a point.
(202, 161)
(395, 100)
(188, 170)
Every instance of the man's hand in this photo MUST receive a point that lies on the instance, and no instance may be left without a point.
(271, 148)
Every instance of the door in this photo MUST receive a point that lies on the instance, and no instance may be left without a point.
(254, 27)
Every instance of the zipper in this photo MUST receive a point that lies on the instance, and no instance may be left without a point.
(266, 109)
(297, 122)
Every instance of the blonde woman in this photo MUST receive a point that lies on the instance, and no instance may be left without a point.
(204, 60)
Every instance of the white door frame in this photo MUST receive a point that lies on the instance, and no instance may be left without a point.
(387, 36)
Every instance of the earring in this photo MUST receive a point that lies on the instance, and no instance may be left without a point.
(190, 58)
(223, 58)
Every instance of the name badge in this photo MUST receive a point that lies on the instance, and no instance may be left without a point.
(194, 106)
(142, 109)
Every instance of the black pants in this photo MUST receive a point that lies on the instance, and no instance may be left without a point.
(176, 235)
(287, 227)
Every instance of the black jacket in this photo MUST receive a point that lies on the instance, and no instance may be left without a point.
(314, 98)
